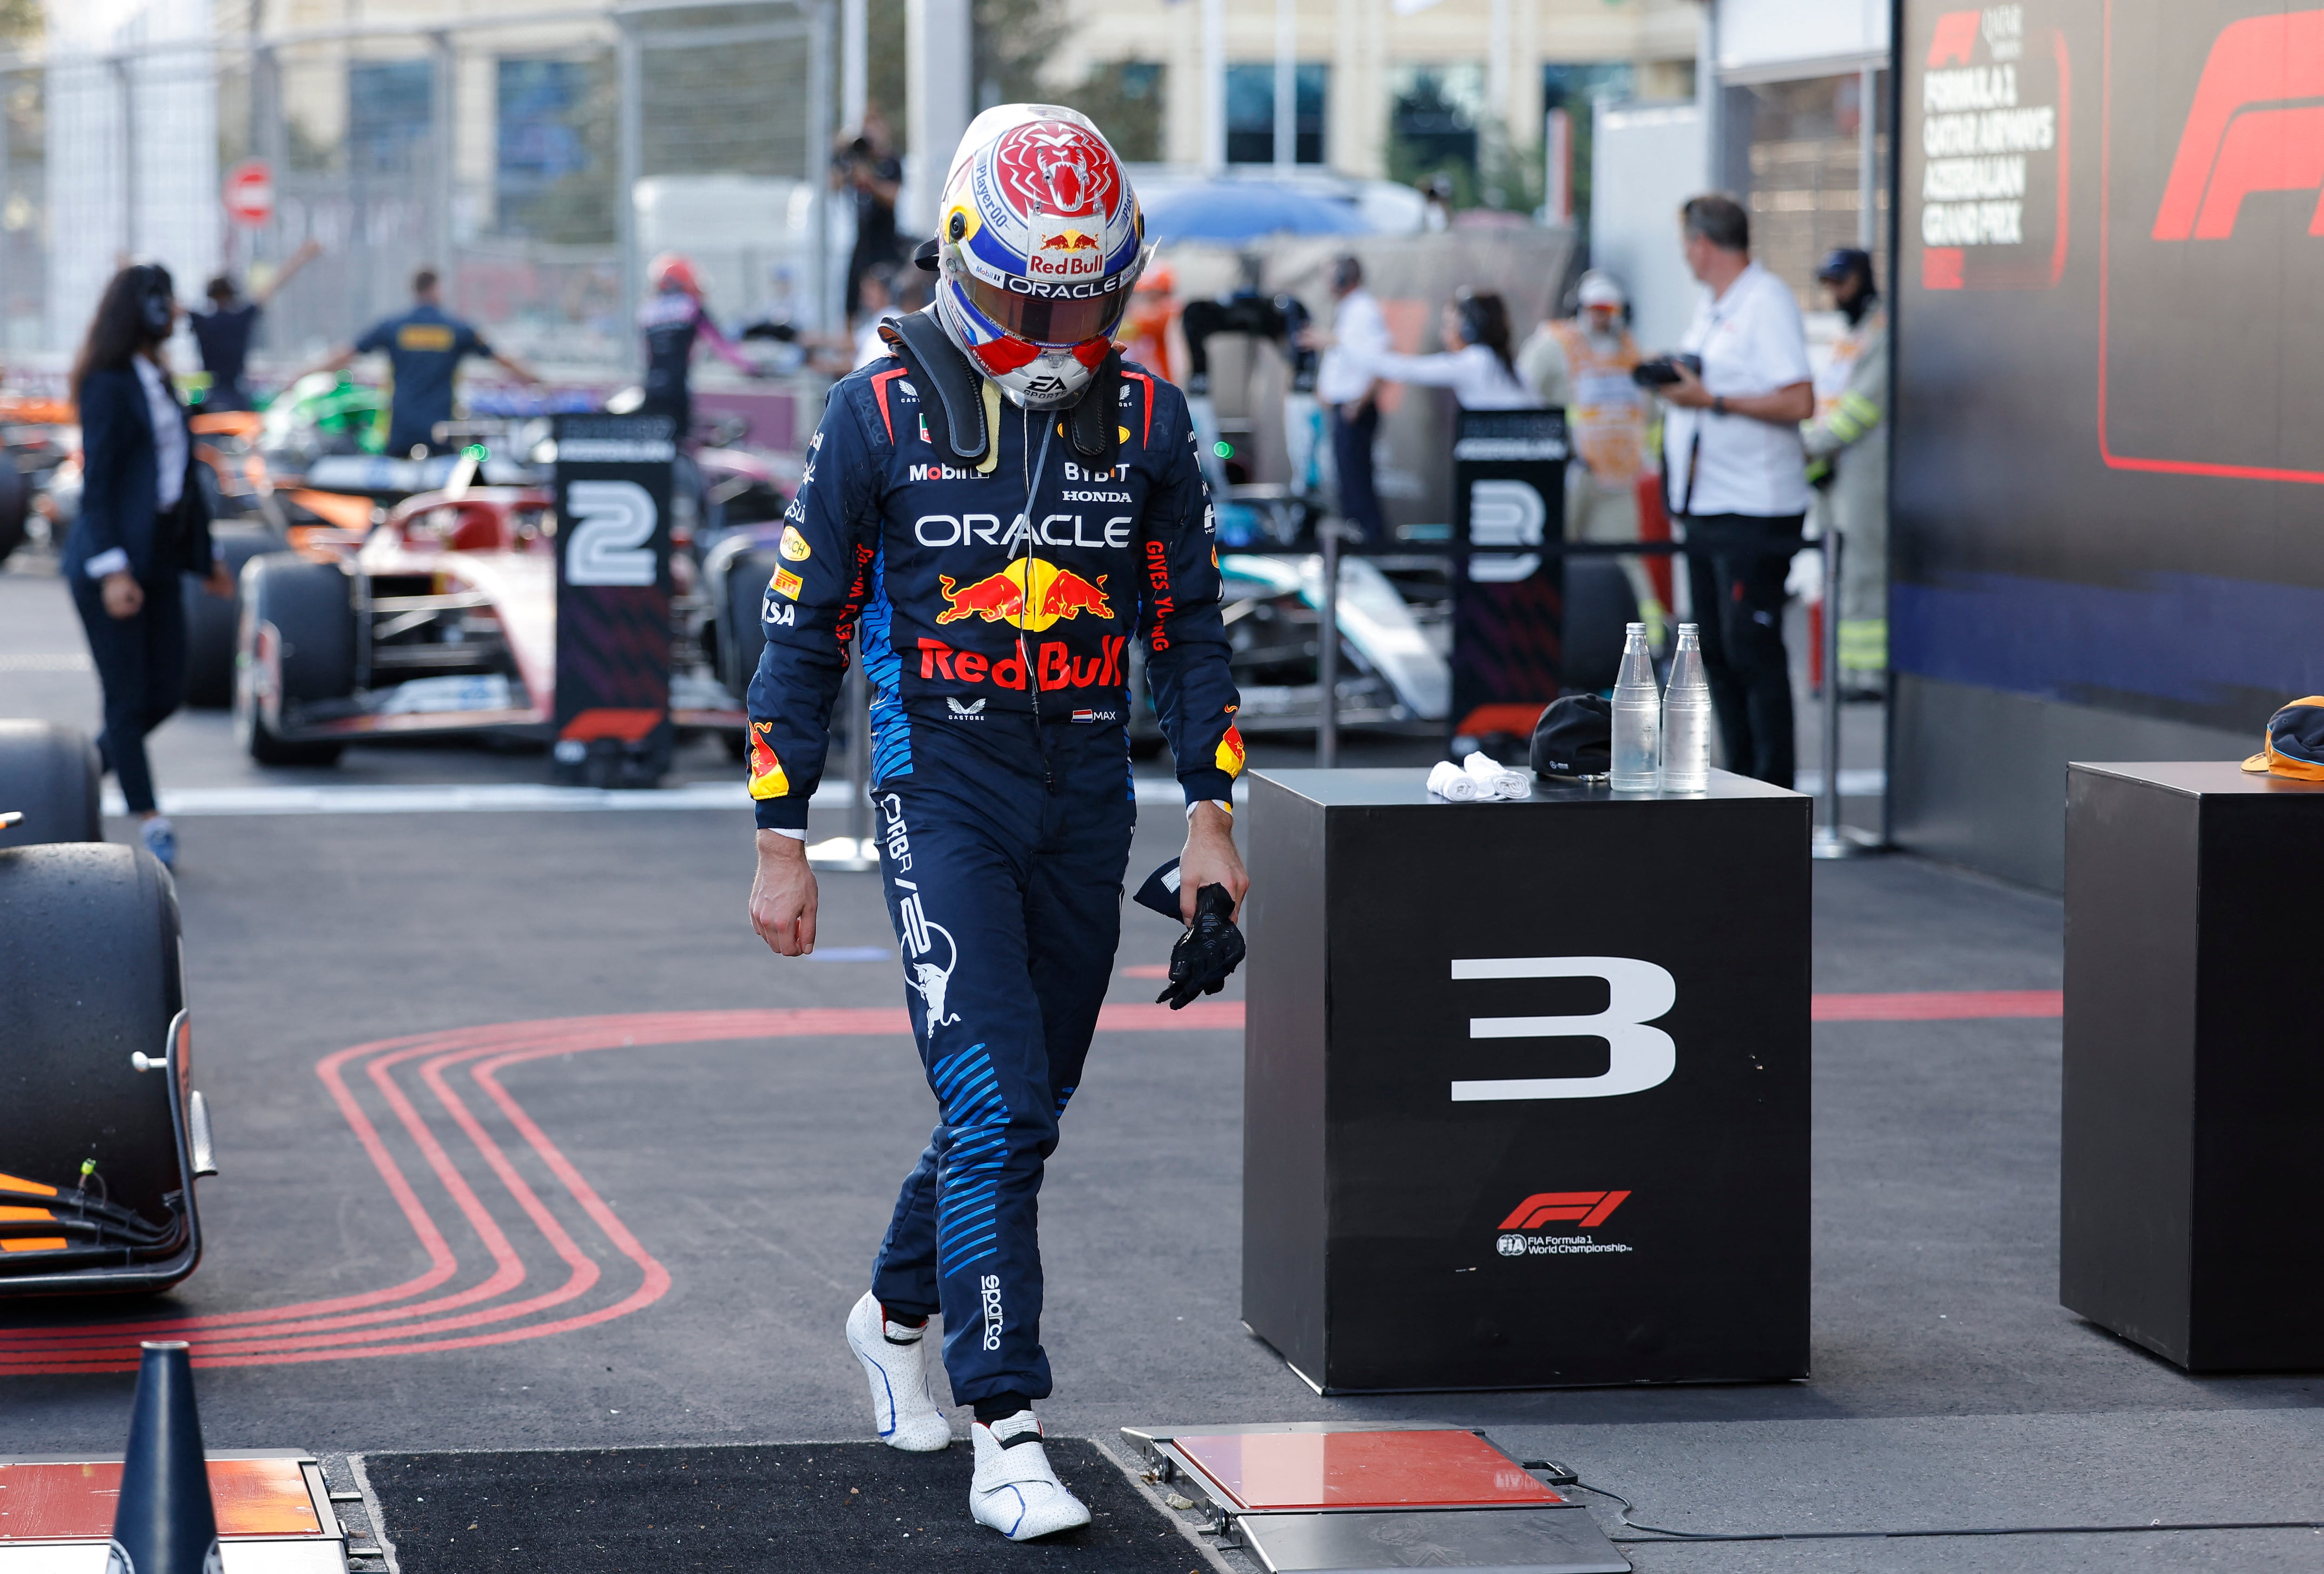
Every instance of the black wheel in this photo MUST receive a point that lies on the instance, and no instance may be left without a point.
(49, 774)
(742, 636)
(16, 506)
(306, 606)
(89, 976)
(214, 623)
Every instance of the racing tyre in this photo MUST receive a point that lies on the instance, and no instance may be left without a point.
(213, 624)
(16, 506)
(49, 774)
(307, 606)
(743, 635)
(89, 976)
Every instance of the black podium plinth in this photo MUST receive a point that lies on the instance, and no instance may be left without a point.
(2192, 1152)
(1526, 1094)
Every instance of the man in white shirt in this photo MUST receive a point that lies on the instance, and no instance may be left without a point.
(1737, 479)
(1346, 386)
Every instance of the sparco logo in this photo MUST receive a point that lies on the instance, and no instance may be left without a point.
(991, 1288)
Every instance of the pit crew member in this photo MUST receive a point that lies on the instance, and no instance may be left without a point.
(673, 319)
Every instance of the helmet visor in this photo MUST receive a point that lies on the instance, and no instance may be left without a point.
(1047, 319)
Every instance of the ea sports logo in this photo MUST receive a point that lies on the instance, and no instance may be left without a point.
(1512, 1245)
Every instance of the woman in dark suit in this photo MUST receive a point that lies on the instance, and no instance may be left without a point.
(142, 522)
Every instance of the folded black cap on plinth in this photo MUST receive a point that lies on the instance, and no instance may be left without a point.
(1575, 737)
(164, 1522)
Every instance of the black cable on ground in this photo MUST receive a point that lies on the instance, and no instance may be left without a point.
(1657, 1536)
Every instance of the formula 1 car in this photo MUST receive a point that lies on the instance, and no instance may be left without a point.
(273, 480)
(97, 1156)
(1393, 672)
(37, 436)
(440, 620)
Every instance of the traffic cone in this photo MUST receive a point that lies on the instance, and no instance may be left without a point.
(164, 1522)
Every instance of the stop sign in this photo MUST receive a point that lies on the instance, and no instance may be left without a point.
(250, 192)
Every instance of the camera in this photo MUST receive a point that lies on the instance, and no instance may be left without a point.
(1663, 370)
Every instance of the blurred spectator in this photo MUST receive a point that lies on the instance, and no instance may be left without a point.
(1583, 364)
(223, 333)
(142, 522)
(1737, 479)
(1346, 385)
(867, 168)
(424, 349)
(1436, 200)
(673, 320)
(1847, 463)
(880, 289)
(1146, 329)
(1475, 362)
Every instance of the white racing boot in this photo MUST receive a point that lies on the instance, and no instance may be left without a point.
(903, 1407)
(1014, 1490)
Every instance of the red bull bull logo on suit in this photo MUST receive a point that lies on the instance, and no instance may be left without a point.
(1055, 592)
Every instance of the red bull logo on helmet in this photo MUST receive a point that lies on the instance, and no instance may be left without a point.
(1065, 252)
(1029, 594)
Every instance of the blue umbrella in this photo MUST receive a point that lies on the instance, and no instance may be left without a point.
(1245, 210)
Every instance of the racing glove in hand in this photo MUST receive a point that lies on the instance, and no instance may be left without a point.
(1207, 953)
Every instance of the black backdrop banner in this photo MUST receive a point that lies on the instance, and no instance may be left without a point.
(1509, 497)
(2109, 420)
(614, 599)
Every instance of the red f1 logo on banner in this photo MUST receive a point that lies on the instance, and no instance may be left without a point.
(1587, 1208)
(1954, 43)
(2233, 145)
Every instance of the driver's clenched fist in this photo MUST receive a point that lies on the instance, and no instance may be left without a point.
(782, 894)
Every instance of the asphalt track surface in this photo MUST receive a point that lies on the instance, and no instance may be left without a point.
(529, 1143)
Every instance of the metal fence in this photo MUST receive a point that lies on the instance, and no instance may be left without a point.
(535, 159)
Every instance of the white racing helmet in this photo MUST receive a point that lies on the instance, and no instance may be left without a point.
(1039, 242)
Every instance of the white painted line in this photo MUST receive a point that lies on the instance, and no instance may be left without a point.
(434, 798)
(48, 661)
(495, 798)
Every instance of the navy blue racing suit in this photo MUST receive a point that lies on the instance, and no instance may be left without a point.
(1001, 778)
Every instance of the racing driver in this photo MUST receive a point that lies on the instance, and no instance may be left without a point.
(994, 511)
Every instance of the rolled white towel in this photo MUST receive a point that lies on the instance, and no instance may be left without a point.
(1496, 779)
(1450, 782)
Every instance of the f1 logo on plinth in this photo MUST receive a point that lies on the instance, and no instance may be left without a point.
(1638, 992)
(614, 599)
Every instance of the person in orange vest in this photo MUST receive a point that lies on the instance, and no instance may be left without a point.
(1145, 333)
(1584, 362)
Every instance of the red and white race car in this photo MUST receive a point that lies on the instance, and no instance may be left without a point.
(440, 619)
